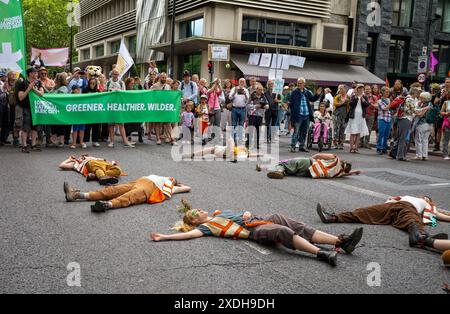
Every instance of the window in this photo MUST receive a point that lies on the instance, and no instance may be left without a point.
(398, 56)
(333, 38)
(86, 54)
(191, 63)
(276, 32)
(442, 53)
(444, 10)
(132, 44)
(371, 51)
(99, 51)
(402, 12)
(191, 28)
(115, 46)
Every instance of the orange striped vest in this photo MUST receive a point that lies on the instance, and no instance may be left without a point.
(326, 169)
(164, 189)
(226, 228)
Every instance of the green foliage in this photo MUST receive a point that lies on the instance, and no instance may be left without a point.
(46, 24)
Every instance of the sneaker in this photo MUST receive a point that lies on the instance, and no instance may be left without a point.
(99, 207)
(60, 145)
(447, 158)
(111, 145)
(417, 158)
(95, 144)
(25, 150)
(83, 146)
(348, 243)
(36, 148)
(129, 145)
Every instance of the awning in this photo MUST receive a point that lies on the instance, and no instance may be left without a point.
(321, 73)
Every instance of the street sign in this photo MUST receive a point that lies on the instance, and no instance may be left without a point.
(421, 78)
(425, 51)
(219, 53)
(422, 64)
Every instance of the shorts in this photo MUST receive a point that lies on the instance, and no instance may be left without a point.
(79, 128)
(18, 121)
(27, 121)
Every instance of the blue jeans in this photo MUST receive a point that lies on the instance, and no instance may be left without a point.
(282, 116)
(384, 130)
(300, 131)
(238, 116)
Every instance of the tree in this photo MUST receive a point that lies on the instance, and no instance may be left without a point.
(46, 24)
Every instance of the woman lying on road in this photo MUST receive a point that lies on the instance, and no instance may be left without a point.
(269, 229)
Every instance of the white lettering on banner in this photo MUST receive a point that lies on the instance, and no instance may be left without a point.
(161, 107)
(126, 107)
(85, 108)
(45, 107)
(11, 22)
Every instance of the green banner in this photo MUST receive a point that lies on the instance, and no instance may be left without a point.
(12, 36)
(113, 107)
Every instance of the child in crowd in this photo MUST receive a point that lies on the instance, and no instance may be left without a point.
(187, 123)
(78, 129)
(203, 114)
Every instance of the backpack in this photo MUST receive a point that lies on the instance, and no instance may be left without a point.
(432, 115)
(190, 83)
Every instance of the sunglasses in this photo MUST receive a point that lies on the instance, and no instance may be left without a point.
(195, 213)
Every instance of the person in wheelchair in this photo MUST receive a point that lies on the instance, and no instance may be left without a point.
(321, 127)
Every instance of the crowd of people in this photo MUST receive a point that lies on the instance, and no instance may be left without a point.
(401, 118)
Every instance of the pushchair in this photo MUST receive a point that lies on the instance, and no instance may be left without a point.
(325, 137)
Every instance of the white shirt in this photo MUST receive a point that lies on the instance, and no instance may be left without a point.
(419, 203)
(330, 99)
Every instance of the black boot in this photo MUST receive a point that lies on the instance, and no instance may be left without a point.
(329, 257)
(91, 177)
(327, 218)
(416, 237)
(99, 207)
(108, 181)
(348, 243)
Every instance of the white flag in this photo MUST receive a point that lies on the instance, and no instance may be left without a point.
(124, 60)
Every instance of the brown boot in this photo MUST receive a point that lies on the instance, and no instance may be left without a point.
(71, 194)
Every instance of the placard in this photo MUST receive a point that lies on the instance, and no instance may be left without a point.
(266, 59)
(254, 58)
(219, 53)
(278, 86)
(298, 62)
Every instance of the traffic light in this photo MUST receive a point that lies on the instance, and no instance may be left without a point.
(210, 67)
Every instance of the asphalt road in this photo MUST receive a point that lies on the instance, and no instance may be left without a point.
(41, 233)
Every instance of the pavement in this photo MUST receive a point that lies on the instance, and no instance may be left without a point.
(41, 234)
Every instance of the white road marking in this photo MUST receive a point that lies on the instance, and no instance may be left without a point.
(257, 247)
(356, 189)
(439, 184)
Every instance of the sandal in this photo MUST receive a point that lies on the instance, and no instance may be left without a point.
(25, 150)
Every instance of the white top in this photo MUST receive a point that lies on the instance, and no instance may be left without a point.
(350, 92)
(239, 101)
(419, 203)
(330, 99)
